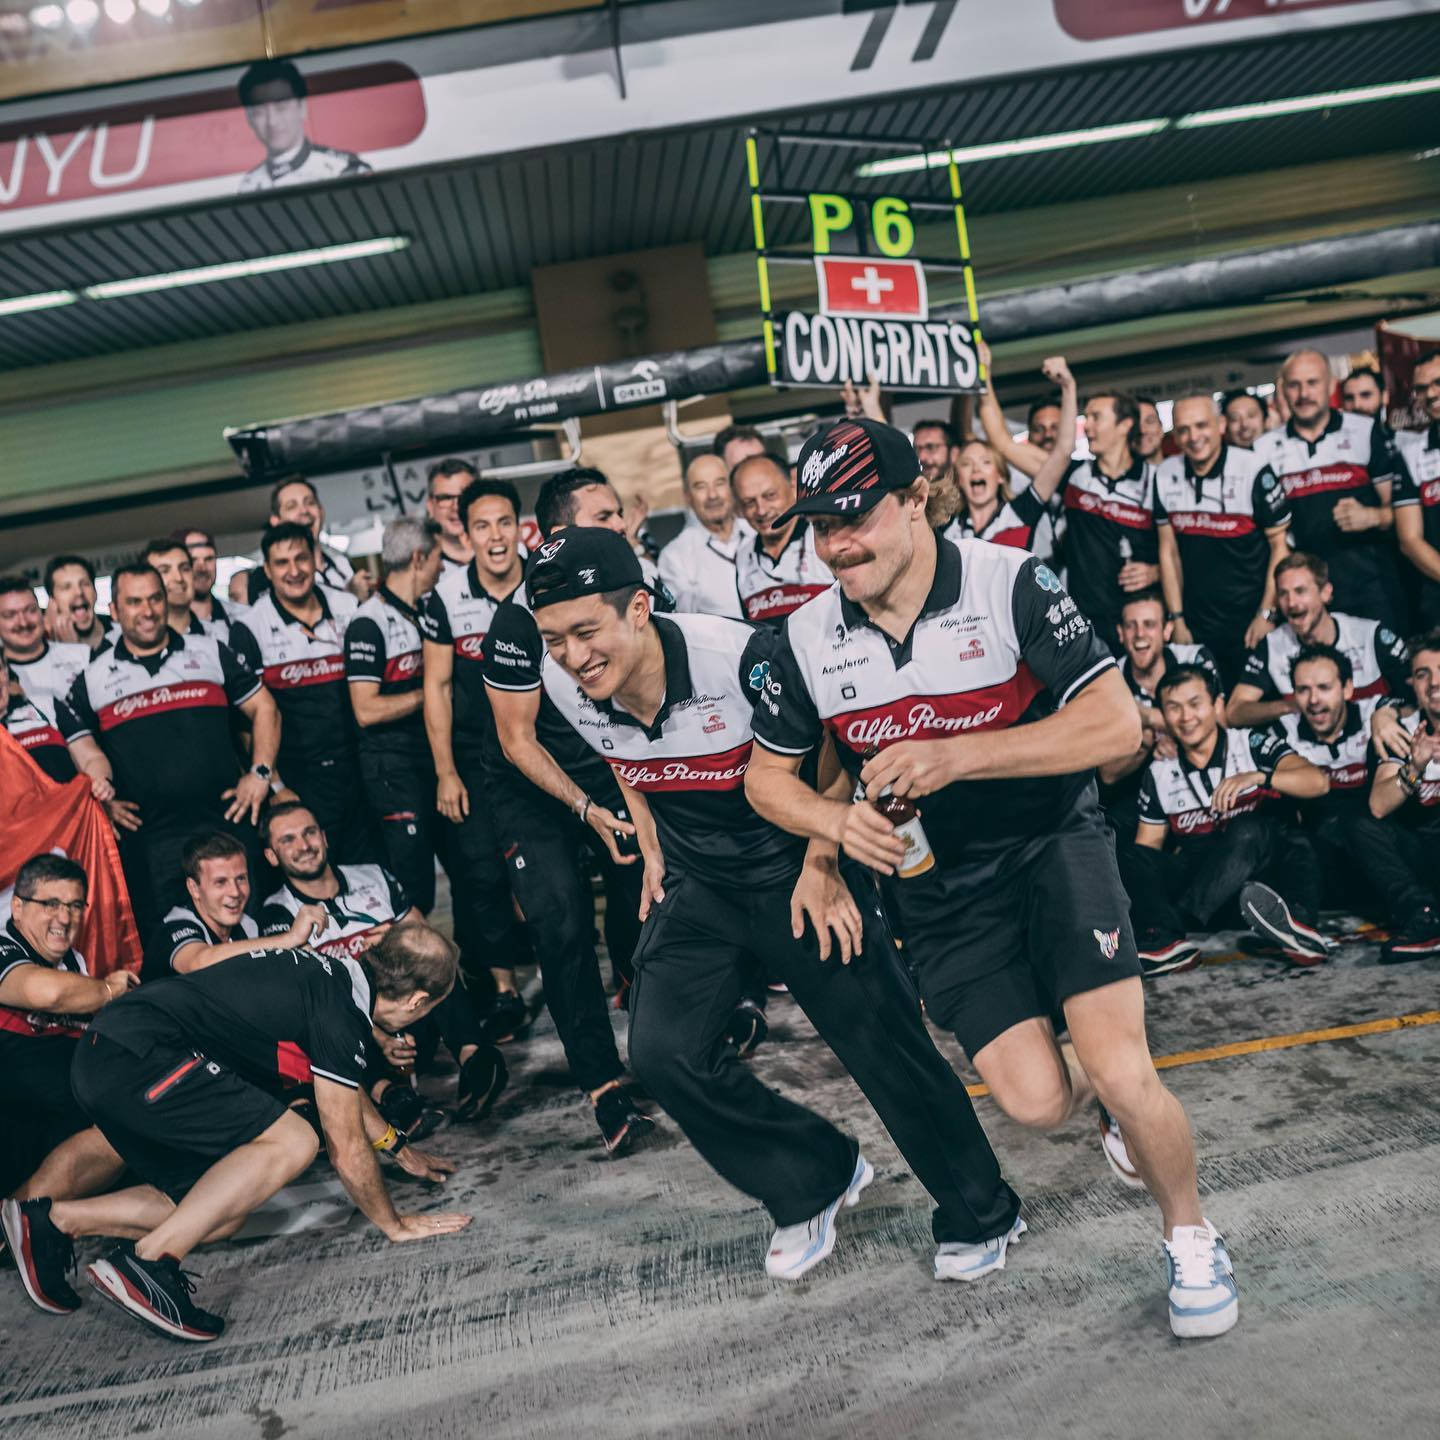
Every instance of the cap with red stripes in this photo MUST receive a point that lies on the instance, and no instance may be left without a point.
(849, 466)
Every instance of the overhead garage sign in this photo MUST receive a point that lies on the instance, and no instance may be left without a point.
(871, 317)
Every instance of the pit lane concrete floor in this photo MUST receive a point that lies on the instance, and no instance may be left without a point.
(601, 1299)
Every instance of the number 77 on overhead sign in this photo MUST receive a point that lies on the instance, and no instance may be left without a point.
(873, 311)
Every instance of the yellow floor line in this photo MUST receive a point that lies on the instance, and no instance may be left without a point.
(1279, 1042)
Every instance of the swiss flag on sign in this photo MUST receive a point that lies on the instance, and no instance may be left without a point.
(859, 286)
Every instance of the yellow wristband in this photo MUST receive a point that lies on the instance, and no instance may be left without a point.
(387, 1140)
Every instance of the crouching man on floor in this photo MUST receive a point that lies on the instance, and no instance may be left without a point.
(173, 1077)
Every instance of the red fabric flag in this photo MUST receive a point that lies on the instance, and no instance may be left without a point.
(36, 816)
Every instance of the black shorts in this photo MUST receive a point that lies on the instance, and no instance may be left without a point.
(35, 1090)
(1054, 922)
(170, 1113)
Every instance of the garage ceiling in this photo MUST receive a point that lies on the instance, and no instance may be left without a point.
(483, 226)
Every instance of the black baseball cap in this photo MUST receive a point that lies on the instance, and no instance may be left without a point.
(849, 466)
(579, 561)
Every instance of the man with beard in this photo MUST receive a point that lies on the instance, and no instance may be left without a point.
(445, 482)
(1338, 468)
(211, 924)
(346, 910)
(42, 669)
(963, 677)
(1378, 658)
(1331, 730)
(1362, 392)
(71, 615)
(294, 638)
(698, 565)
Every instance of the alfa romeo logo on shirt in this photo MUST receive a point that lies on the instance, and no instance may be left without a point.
(758, 672)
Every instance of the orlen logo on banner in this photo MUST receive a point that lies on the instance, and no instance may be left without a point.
(181, 139)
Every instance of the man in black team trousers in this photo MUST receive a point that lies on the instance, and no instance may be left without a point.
(965, 678)
(667, 701)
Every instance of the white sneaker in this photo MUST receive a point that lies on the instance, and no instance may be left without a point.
(795, 1250)
(955, 1260)
(1203, 1297)
(1117, 1153)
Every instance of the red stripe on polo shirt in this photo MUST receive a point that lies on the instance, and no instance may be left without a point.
(1321, 479)
(723, 771)
(933, 717)
(189, 695)
(1208, 522)
(292, 674)
(1122, 512)
(471, 646)
(402, 667)
(780, 599)
(1349, 776)
(291, 1063)
(1430, 492)
(39, 737)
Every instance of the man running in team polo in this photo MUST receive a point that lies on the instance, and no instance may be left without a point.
(667, 701)
(964, 677)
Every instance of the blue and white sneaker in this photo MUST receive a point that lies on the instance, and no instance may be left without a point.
(797, 1249)
(960, 1260)
(1203, 1297)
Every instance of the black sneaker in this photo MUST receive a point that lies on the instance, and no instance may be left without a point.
(509, 1018)
(1160, 955)
(1269, 917)
(1418, 937)
(747, 1027)
(155, 1291)
(44, 1255)
(482, 1077)
(622, 1122)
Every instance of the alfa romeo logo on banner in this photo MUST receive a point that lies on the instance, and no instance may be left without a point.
(872, 314)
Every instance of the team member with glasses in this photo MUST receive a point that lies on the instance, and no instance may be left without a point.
(46, 991)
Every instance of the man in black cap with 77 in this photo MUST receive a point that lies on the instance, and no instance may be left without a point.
(667, 701)
(962, 676)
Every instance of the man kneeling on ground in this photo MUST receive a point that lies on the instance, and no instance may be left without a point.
(173, 1078)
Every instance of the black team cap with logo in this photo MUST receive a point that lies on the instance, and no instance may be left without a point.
(849, 467)
(580, 561)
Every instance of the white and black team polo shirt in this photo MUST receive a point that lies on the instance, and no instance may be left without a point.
(458, 612)
(163, 721)
(999, 643)
(1378, 656)
(1013, 523)
(1179, 794)
(49, 676)
(1353, 455)
(1346, 759)
(303, 667)
(184, 926)
(1106, 517)
(370, 896)
(383, 646)
(41, 741)
(1174, 655)
(690, 763)
(1220, 520)
(1421, 811)
(771, 587)
(1420, 485)
(16, 950)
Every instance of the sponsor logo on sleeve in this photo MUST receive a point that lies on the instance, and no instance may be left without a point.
(1047, 579)
(1108, 941)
